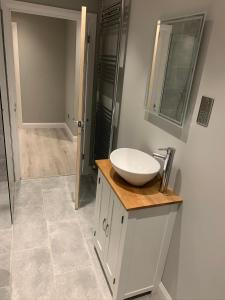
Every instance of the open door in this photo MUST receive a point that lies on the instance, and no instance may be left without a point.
(81, 104)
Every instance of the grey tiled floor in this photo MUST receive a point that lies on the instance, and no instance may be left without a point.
(5, 218)
(48, 254)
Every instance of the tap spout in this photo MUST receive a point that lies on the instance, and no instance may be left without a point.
(168, 161)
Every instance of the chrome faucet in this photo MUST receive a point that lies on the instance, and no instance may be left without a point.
(168, 161)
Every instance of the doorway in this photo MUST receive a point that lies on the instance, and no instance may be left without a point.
(83, 82)
(45, 66)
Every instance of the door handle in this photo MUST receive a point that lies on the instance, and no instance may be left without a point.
(79, 123)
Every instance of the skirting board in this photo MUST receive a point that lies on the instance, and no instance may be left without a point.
(72, 137)
(43, 125)
(162, 293)
(51, 125)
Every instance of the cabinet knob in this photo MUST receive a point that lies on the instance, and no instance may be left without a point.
(104, 224)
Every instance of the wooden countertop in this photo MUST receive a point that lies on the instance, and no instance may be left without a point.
(136, 197)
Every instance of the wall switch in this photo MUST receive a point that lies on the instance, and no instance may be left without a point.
(205, 110)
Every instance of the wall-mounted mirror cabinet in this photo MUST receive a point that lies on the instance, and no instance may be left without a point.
(175, 55)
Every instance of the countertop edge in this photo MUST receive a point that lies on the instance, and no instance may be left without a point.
(170, 202)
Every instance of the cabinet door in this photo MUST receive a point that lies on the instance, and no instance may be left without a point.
(103, 218)
(98, 200)
(113, 237)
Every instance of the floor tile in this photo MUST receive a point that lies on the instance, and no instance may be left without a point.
(5, 241)
(5, 293)
(3, 163)
(4, 188)
(86, 219)
(86, 214)
(28, 214)
(68, 249)
(5, 269)
(29, 184)
(87, 228)
(98, 270)
(87, 188)
(5, 216)
(30, 236)
(53, 182)
(32, 276)
(29, 197)
(57, 205)
(80, 284)
(70, 182)
(70, 186)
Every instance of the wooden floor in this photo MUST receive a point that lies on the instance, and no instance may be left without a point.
(46, 152)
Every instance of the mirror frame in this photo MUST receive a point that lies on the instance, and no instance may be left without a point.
(175, 128)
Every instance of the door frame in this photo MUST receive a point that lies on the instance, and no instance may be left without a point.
(17, 74)
(6, 125)
(9, 6)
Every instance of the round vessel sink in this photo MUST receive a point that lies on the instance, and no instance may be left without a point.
(134, 166)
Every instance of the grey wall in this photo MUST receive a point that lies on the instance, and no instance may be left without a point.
(195, 267)
(92, 5)
(70, 108)
(42, 68)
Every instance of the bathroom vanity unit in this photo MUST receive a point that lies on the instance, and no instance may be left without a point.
(132, 232)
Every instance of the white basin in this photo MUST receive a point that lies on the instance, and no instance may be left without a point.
(134, 166)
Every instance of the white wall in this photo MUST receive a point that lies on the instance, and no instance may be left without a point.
(70, 108)
(42, 67)
(195, 267)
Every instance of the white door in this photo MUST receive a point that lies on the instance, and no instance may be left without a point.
(81, 104)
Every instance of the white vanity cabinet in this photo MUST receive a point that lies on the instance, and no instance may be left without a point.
(109, 224)
(131, 244)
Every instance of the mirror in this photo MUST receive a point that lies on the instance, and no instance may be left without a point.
(174, 59)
